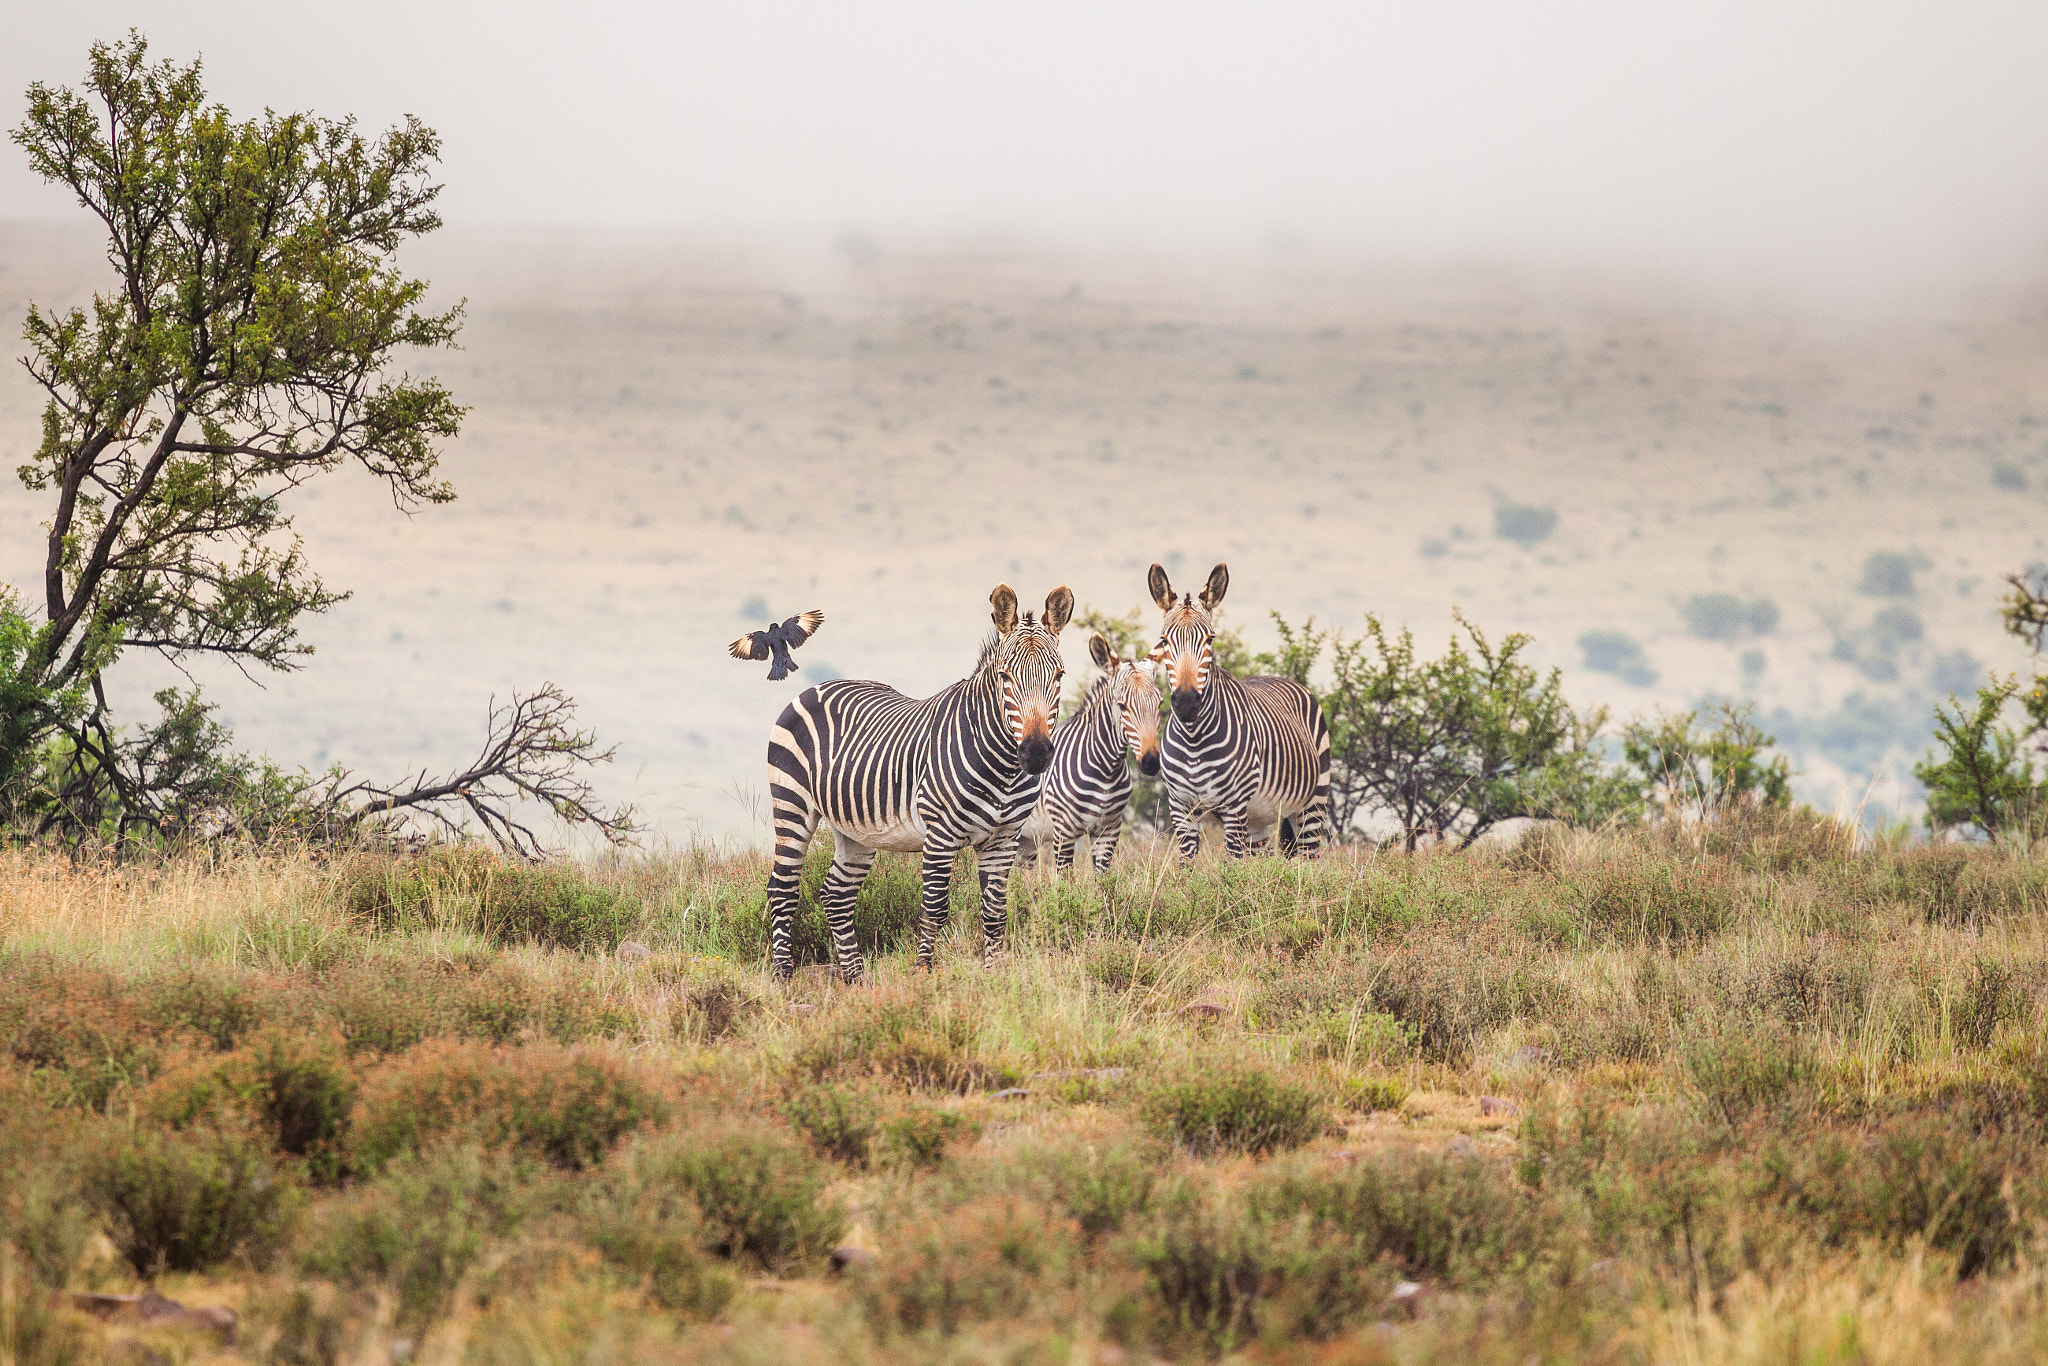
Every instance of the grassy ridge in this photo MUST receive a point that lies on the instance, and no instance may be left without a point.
(1757, 1094)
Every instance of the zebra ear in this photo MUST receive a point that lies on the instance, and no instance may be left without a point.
(1219, 584)
(1162, 589)
(1099, 651)
(1004, 601)
(1059, 609)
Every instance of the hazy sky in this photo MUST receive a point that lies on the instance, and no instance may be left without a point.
(1862, 142)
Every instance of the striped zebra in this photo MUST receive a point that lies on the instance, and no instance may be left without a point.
(1253, 752)
(1088, 787)
(959, 769)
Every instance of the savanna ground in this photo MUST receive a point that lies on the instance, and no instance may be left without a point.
(673, 436)
(1750, 1092)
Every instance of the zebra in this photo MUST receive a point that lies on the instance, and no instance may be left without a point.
(956, 770)
(1088, 788)
(1253, 752)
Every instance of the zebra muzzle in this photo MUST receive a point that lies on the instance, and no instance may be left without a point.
(1187, 703)
(1037, 753)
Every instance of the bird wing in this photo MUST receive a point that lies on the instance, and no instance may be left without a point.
(753, 646)
(802, 627)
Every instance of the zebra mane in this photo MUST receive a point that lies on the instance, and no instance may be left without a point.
(990, 643)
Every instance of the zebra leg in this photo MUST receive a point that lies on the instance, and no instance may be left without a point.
(795, 819)
(1063, 851)
(1104, 849)
(1237, 834)
(850, 864)
(1290, 838)
(995, 859)
(938, 890)
(1187, 830)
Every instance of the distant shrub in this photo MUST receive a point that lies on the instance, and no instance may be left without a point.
(294, 1087)
(1098, 1185)
(1121, 965)
(1887, 574)
(1368, 1094)
(1895, 626)
(1742, 1072)
(1524, 524)
(901, 1039)
(1955, 673)
(505, 900)
(1232, 1109)
(211, 1004)
(187, 1200)
(761, 1194)
(1615, 652)
(1633, 900)
(418, 1226)
(566, 1105)
(840, 1121)
(654, 1232)
(1723, 616)
(1754, 662)
(2006, 475)
(920, 1136)
(994, 1258)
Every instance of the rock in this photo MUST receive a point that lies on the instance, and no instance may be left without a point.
(1081, 1074)
(1407, 1296)
(1529, 1055)
(801, 1007)
(158, 1311)
(632, 951)
(1010, 1093)
(1494, 1105)
(846, 1257)
(400, 1350)
(1206, 1010)
(1461, 1146)
(1344, 1155)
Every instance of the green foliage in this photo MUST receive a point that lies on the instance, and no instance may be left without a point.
(985, 1260)
(652, 1231)
(840, 1121)
(1615, 652)
(1454, 746)
(503, 900)
(188, 1200)
(419, 1225)
(1743, 1072)
(1984, 778)
(567, 1106)
(1524, 524)
(1698, 771)
(761, 1194)
(920, 1135)
(1237, 1108)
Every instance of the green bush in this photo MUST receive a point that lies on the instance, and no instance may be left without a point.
(840, 1121)
(654, 1233)
(1747, 1071)
(1635, 900)
(419, 1225)
(566, 1105)
(996, 1258)
(916, 1041)
(505, 900)
(187, 1200)
(760, 1192)
(1232, 1109)
(919, 1136)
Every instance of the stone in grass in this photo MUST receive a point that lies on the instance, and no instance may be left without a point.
(633, 951)
(1461, 1146)
(1010, 1093)
(158, 1311)
(1207, 1010)
(1494, 1105)
(801, 1007)
(1529, 1055)
(1408, 1296)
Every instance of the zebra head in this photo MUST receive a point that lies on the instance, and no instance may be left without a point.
(1026, 657)
(1138, 697)
(1184, 640)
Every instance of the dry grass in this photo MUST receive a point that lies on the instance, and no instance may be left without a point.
(1760, 1096)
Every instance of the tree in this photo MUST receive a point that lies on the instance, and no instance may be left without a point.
(248, 345)
(1985, 779)
(1451, 747)
(1696, 773)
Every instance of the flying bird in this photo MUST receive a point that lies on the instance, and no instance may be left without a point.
(777, 641)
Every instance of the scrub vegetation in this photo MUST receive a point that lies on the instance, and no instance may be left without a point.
(1747, 1088)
